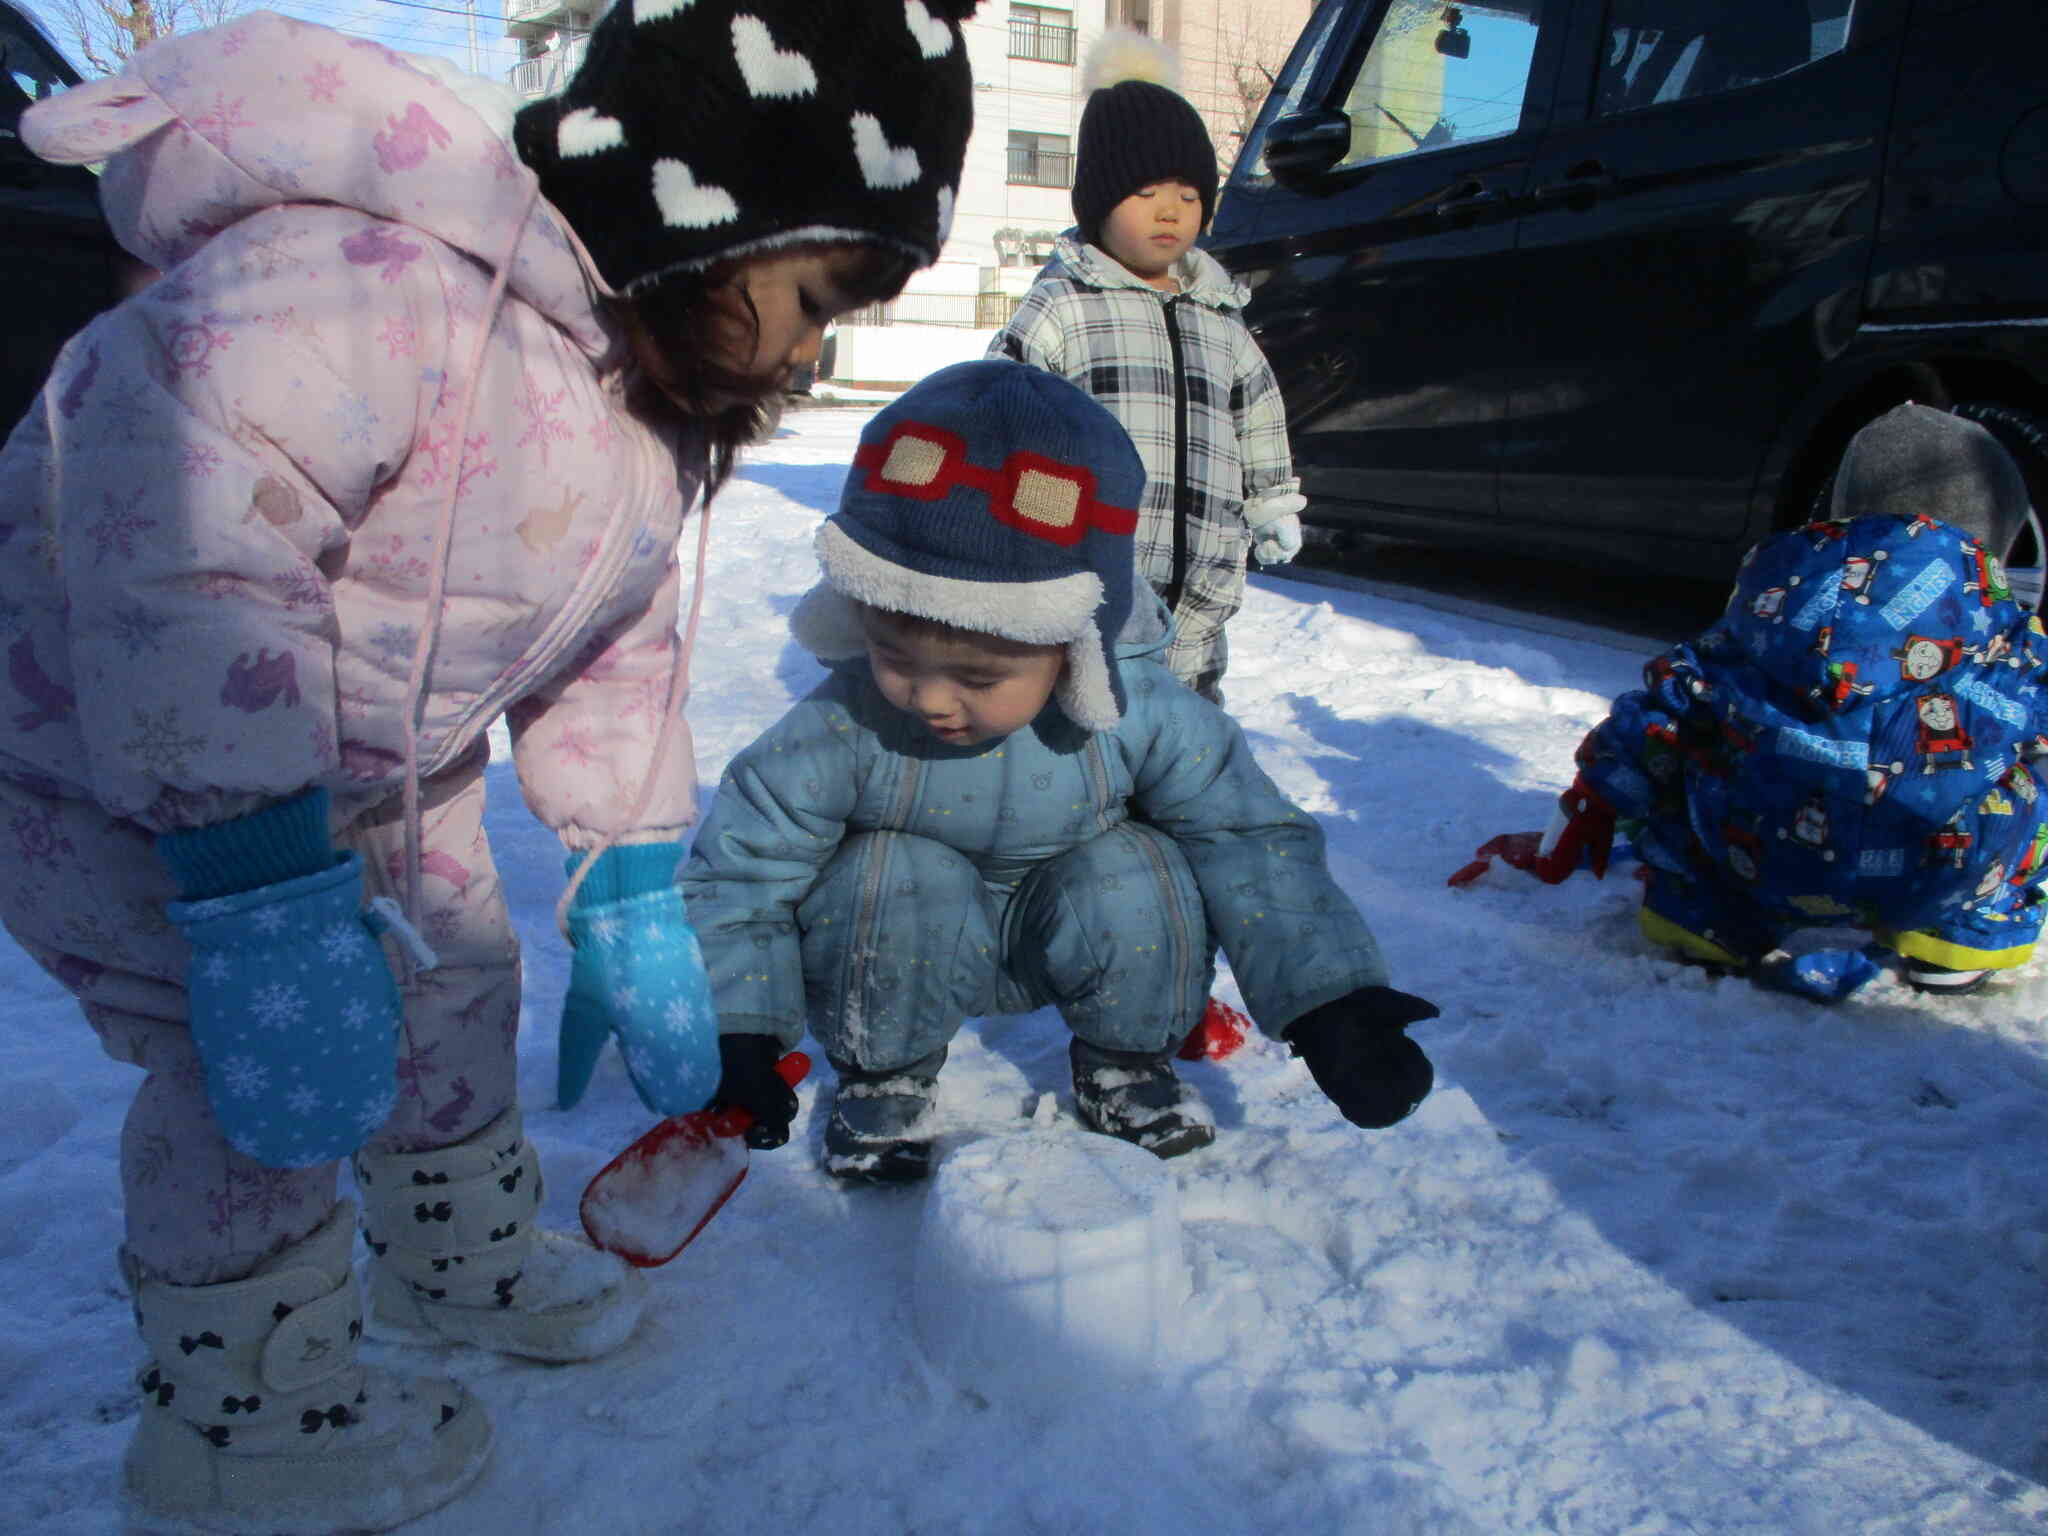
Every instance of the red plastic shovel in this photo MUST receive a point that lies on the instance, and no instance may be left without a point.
(1221, 1032)
(646, 1204)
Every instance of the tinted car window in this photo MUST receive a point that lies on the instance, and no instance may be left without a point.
(1437, 75)
(27, 72)
(1657, 51)
(59, 265)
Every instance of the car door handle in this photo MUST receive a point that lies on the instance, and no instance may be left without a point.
(1584, 181)
(1469, 198)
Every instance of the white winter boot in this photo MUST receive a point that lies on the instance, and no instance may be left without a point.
(457, 1256)
(256, 1416)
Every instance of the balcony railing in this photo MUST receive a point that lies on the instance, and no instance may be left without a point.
(534, 77)
(528, 10)
(1038, 40)
(962, 309)
(1041, 168)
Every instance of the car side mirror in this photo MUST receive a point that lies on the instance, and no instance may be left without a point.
(1303, 145)
(1454, 42)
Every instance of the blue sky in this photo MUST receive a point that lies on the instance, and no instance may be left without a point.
(414, 26)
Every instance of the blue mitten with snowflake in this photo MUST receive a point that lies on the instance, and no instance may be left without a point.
(293, 1007)
(638, 974)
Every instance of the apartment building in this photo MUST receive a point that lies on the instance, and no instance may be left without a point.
(1014, 193)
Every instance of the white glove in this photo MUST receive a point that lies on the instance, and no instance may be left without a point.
(1275, 523)
(1277, 540)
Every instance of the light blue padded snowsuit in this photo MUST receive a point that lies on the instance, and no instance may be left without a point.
(899, 887)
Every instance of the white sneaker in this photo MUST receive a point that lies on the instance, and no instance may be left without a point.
(1925, 976)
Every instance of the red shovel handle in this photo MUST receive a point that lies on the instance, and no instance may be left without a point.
(647, 1227)
(733, 1120)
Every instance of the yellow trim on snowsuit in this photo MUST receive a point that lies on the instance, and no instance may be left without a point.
(1659, 929)
(1920, 945)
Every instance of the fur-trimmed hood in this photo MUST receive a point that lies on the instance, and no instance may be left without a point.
(1202, 277)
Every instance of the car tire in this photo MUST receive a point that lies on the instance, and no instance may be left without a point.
(2024, 435)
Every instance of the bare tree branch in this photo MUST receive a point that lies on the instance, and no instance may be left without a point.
(1231, 53)
(104, 33)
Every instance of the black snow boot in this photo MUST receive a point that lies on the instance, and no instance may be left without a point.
(879, 1132)
(1135, 1097)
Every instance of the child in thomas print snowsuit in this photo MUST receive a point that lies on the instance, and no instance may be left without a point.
(1151, 327)
(402, 442)
(989, 808)
(1855, 740)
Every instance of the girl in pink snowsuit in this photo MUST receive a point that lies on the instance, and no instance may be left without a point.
(402, 442)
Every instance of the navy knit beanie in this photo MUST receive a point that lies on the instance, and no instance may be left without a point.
(1136, 130)
(998, 499)
(697, 131)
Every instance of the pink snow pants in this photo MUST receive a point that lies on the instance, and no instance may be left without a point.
(87, 904)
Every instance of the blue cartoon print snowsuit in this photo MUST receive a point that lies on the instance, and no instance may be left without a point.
(900, 887)
(1853, 741)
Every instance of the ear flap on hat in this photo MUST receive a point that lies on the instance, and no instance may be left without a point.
(826, 624)
(1089, 691)
(92, 121)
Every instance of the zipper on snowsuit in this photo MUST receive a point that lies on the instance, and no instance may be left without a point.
(897, 818)
(1182, 501)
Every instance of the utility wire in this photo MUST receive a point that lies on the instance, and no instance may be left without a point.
(420, 5)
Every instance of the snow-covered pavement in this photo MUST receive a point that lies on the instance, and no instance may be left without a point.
(1662, 1253)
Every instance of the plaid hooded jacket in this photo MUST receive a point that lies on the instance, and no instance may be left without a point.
(1185, 378)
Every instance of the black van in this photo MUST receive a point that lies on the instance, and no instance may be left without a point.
(1616, 280)
(59, 264)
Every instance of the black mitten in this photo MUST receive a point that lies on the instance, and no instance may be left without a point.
(748, 1081)
(1356, 1051)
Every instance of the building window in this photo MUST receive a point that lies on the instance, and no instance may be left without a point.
(1040, 160)
(1041, 33)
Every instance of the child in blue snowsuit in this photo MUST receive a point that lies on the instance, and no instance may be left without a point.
(987, 809)
(1855, 740)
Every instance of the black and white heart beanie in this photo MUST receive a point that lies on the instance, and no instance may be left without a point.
(697, 131)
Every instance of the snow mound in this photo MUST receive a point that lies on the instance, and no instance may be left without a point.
(1048, 1259)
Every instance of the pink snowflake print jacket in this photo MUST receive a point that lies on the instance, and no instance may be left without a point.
(221, 517)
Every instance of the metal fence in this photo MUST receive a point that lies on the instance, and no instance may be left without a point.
(1040, 168)
(985, 311)
(534, 77)
(1037, 40)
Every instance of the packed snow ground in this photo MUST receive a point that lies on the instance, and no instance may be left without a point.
(1662, 1253)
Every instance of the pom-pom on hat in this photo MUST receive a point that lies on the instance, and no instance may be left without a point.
(1136, 128)
(701, 130)
(1001, 500)
(1917, 460)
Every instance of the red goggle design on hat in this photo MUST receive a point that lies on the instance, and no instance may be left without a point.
(1031, 493)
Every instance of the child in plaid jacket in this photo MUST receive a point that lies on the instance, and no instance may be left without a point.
(1149, 326)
